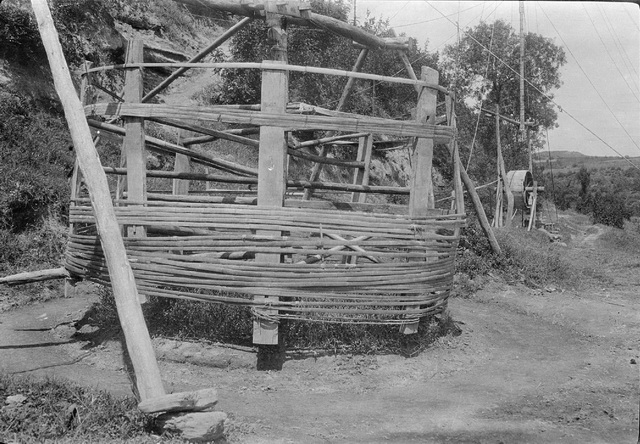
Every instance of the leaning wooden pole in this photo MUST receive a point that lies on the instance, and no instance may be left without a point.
(139, 346)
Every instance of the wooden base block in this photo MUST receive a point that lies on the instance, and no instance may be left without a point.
(194, 426)
(409, 329)
(200, 400)
(265, 332)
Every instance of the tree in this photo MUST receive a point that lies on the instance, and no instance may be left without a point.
(482, 79)
(319, 47)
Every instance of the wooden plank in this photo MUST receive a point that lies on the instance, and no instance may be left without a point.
(133, 146)
(421, 195)
(148, 380)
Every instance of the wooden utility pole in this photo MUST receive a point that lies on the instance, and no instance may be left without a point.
(138, 342)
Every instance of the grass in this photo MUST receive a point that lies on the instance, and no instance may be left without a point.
(58, 411)
(527, 257)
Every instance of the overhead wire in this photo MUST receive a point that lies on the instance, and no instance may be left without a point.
(609, 54)
(589, 80)
(546, 96)
(616, 41)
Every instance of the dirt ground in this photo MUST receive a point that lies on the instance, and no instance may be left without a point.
(531, 366)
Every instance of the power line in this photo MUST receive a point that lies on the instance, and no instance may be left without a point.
(434, 19)
(544, 94)
(616, 41)
(608, 53)
(589, 80)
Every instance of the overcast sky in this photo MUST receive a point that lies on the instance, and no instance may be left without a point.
(602, 46)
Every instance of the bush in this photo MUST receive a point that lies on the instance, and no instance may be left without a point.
(610, 209)
(34, 163)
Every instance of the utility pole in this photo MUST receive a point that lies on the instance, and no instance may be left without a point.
(523, 137)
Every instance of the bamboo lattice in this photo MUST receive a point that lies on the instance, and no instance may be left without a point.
(215, 262)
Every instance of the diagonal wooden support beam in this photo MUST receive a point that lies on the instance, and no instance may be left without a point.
(201, 55)
(148, 380)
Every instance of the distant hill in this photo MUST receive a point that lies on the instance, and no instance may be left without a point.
(571, 160)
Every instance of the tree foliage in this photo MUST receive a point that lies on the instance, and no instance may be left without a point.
(319, 47)
(481, 79)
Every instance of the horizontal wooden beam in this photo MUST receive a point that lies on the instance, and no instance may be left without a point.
(507, 119)
(272, 66)
(158, 145)
(307, 18)
(440, 133)
(35, 276)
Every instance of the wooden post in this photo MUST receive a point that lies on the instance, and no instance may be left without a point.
(453, 148)
(182, 164)
(272, 159)
(317, 168)
(86, 97)
(421, 194)
(133, 145)
(361, 176)
(503, 186)
(138, 342)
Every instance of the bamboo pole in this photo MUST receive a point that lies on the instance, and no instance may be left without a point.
(148, 380)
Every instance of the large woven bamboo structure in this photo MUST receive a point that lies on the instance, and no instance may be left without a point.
(287, 256)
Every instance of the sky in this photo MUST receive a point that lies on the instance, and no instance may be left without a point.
(602, 46)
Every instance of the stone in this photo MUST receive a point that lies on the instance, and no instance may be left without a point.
(194, 426)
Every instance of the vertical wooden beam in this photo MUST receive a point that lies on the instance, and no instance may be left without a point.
(503, 186)
(317, 168)
(182, 164)
(453, 149)
(133, 145)
(272, 159)
(421, 192)
(138, 342)
(361, 176)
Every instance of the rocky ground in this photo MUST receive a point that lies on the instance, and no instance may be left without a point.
(530, 366)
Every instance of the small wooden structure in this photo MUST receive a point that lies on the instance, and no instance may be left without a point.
(339, 261)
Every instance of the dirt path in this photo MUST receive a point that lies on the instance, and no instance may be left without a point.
(530, 366)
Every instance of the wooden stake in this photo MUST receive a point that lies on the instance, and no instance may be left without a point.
(138, 342)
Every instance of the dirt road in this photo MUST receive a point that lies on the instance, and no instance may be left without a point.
(531, 366)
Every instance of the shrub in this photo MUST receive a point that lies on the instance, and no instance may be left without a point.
(610, 209)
